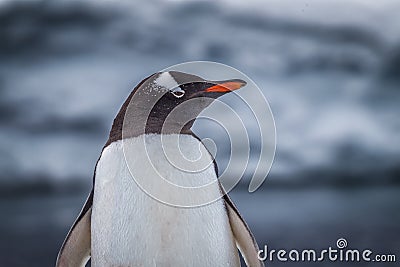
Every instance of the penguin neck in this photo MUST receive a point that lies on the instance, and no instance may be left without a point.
(154, 125)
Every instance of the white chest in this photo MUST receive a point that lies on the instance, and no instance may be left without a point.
(130, 228)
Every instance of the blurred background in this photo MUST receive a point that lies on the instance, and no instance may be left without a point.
(330, 70)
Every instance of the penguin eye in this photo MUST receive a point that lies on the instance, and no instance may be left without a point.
(178, 92)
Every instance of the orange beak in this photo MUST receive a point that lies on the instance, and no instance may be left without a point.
(226, 86)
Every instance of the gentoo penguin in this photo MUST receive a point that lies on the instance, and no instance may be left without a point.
(123, 224)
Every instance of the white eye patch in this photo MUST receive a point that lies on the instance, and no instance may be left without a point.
(178, 92)
(165, 80)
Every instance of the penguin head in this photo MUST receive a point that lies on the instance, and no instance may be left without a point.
(168, 102)
(182, 98)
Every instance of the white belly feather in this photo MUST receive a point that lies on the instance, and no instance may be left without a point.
(130, 228)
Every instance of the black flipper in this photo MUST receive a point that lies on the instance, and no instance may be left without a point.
(75, 250)
(244, 238)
